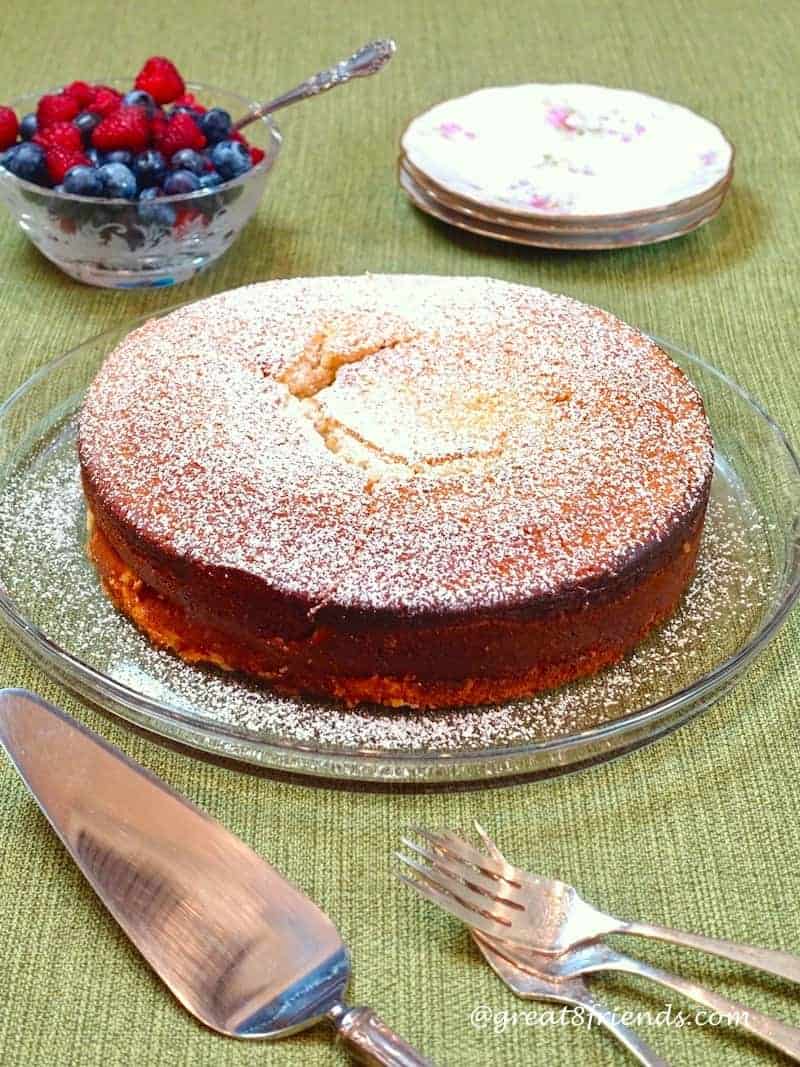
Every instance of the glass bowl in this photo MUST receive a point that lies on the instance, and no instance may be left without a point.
(121, 244)
(50, 599)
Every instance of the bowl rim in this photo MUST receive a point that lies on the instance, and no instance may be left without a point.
(263, 167)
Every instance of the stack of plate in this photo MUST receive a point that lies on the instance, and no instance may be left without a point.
(566, 166)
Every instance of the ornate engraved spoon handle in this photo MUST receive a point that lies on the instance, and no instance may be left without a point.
(367, 60)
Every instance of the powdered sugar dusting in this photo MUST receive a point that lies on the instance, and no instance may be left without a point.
(44, 566)
(478, 444)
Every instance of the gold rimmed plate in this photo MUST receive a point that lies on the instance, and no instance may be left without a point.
(575, 152)
(651, 233)
(562, 226)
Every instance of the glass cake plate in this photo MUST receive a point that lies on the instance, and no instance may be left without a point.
(50, 599)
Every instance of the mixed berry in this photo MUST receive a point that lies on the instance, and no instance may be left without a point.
(155, 141)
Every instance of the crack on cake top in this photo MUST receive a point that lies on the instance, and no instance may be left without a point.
(189, 437)
(313, 375)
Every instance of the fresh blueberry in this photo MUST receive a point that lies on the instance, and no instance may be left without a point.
(118, 180)
(139, 98)
(86, 122)
(231, 159)
(210, 180)
(119, 155)
(27, 126)
(188, 159)
(84, 181)
(7, 156)
(149, 167)
(28, 163)
(153, 213)
(181, 181)
(93, 156)
(215, 124)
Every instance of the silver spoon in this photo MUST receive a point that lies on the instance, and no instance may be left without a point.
(367, 60)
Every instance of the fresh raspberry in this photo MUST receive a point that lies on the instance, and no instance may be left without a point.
(56, 107)
(61, 135)
(161, 79)
(59, 160)
(181, 131)
(104, 100)
(186, 219)
(128, 127)
(81, 91)
(9, 128)
(158, 127)
(190, 100)
(256, 154)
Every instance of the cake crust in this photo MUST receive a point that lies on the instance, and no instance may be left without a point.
(421, 491)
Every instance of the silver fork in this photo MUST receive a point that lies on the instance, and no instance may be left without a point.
(549, 916)
(505, 921)
(590, 959)
(573, 991)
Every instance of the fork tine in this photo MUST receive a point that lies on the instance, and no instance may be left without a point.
(509, 880)
(450, 842)
(478, 901)
(446, 841)
(489, 844)
(507, 872)
(470, 918)
(470, 876)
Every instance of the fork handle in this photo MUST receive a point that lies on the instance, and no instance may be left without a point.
(782, 964)
(638, 1048)
(372, 1040)
(769, 1030)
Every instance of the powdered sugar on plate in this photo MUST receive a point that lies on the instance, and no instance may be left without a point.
(51, 583)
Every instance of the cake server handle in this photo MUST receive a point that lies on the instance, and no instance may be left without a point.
(371, 1040)
(369, 59)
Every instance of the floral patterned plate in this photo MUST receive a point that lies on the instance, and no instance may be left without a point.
(648, 233)
(579, 225)
(569, 151)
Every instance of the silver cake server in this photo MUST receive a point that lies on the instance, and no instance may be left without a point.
(240, 946)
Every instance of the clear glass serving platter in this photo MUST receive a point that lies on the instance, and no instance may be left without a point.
(50, 599)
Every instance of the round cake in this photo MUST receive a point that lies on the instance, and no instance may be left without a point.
(406, 490)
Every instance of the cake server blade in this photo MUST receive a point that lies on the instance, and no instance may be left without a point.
(240, 946)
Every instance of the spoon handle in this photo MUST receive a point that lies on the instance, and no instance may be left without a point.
(367, 60)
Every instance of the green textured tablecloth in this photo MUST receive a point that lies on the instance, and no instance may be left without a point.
(699, 830)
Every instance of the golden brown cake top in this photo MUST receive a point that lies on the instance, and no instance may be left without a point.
(400, 443)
